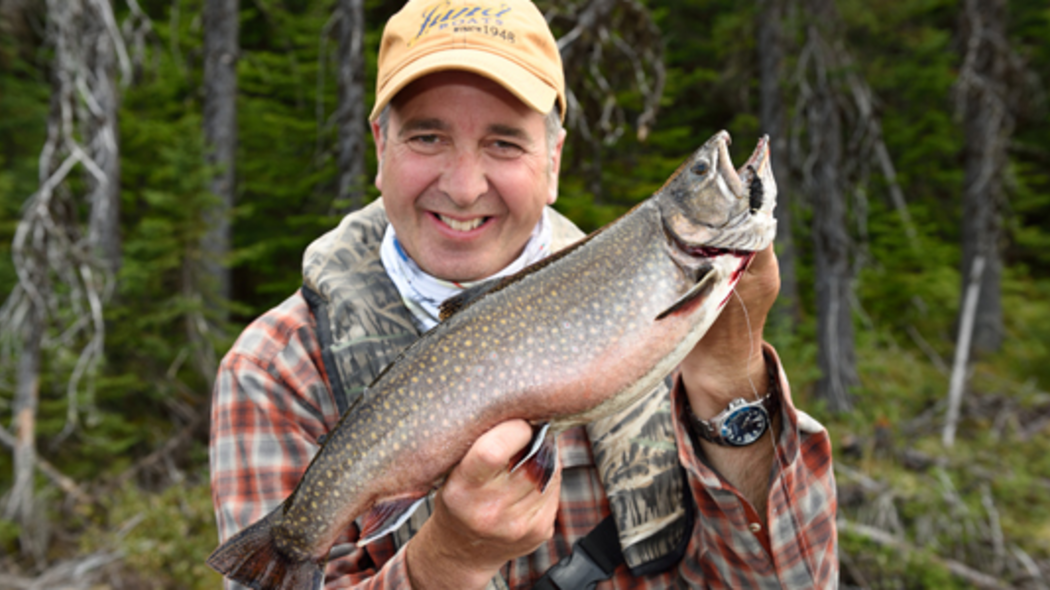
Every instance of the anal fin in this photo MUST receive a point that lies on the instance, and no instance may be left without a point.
(387, 515)
(539, 459)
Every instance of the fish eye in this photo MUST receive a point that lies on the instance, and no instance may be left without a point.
(701, 168)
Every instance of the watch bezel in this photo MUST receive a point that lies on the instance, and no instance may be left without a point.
(729, 426)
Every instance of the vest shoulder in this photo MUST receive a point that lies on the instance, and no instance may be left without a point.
(564, 233)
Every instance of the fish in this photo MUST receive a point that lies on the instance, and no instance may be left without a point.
(568, 340)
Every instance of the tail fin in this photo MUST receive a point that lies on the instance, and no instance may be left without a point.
(252, 558)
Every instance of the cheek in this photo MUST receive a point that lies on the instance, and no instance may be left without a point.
(402, 182)
(525, 189)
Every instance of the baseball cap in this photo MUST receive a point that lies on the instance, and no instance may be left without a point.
(507, 41)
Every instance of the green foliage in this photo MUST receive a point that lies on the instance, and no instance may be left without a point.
(164, 538)
(156, 374)
(889, 568)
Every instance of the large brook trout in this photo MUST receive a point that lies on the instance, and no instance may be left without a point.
(571, 339)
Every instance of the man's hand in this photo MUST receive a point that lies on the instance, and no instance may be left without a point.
(483, 516)
(725, 365)
(717, 369)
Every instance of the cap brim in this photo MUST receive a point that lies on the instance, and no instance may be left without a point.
(522, 83)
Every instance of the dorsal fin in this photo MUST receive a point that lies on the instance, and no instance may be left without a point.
(453, 304)
(468, 297)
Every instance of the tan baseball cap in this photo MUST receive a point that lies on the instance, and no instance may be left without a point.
(507, 41)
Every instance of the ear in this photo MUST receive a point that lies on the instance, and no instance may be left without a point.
(555, 167)
(377, 136)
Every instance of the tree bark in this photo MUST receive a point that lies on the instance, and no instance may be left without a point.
(771, 46)
(20, 504)
(101, 138)
(352, 128)
(221, 49)
(982, 93)
(826, 188)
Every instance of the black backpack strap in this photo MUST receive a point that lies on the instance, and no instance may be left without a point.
(593, 559)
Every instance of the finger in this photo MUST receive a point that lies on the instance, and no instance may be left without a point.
(492, 452)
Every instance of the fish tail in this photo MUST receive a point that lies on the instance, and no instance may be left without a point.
(252, 558)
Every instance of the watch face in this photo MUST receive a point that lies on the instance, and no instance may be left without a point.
(745, 426)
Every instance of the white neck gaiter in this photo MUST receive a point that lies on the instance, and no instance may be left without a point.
(423, 293)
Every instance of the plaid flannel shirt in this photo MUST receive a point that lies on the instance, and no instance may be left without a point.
(272, 404)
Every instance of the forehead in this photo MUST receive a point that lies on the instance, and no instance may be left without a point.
(444, 98)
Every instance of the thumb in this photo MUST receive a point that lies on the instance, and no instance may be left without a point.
(491, 453)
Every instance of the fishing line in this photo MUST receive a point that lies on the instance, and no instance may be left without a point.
(750, 343)
(806, 552)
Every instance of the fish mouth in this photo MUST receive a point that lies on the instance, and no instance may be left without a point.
(747, 181)
(753, 172)
(750, 225)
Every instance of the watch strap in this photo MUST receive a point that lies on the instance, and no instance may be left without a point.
(709, 430)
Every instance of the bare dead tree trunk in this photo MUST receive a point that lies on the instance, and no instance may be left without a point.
(825, 184)
(61, 276)
(831, 251)
(771, 48)
(971, 299)
(101, 139)
(221, 50)
(984, 104)
(351, 117)
(21, 506)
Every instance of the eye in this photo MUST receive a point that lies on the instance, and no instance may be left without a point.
(701, 168)
(505, 149)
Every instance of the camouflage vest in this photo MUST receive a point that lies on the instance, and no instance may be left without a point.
(362, 326)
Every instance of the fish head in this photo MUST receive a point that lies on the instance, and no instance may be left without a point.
(708, 204)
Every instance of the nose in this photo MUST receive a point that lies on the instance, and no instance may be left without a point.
(464, 180)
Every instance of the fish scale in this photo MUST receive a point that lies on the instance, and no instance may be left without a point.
(568, 340)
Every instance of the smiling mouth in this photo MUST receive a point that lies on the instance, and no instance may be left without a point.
(463, 226)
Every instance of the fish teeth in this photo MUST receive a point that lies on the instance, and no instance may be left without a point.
(462, 225)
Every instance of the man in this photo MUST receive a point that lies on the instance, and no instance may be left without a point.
(467, 129)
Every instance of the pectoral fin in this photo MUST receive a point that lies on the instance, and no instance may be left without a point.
(540, 458)
(387, 515)
(694, 296)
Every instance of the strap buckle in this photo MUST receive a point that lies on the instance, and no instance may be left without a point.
(578, 571)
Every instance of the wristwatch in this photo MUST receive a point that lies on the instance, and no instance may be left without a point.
(742, 422)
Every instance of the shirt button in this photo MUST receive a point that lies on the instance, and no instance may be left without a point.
(755, 527)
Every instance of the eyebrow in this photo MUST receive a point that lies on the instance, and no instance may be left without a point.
(426, 124)
(436, 124)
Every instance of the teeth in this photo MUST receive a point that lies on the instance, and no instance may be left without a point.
(462, 225)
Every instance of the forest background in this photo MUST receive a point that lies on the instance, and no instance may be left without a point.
(151, 205)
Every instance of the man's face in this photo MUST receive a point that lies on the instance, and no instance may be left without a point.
(465, 172)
